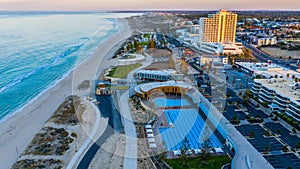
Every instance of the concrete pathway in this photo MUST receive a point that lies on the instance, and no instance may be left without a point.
(131, 154)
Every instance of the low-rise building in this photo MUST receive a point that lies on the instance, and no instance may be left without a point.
(158, 75)
(169, 87)
(280, 94)
(213, 59)
(267, 70)
(220, 48)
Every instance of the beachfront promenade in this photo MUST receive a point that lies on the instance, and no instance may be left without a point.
(131, 154)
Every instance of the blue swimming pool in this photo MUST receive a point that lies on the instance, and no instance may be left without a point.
(186, 123)
(165, 102)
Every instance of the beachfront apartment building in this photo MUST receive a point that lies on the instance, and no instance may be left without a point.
(280, 94)
(218, 27)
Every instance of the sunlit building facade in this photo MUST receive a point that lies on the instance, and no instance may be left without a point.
(219, 27)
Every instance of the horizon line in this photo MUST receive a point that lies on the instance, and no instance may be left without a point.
(154, 10)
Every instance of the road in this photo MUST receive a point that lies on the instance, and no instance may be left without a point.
(261, 56)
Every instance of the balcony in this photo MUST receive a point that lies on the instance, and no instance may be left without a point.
(296, 107)
(258, 85)
(254, 91)
(267, 91)
(266, 96)
(280, 103)
(263, 99)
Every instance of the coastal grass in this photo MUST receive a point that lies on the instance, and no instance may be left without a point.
(49, 141)
(66, 113)
(196, 162)
(122, 71)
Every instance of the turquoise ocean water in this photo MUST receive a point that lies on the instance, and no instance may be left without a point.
(37, 50)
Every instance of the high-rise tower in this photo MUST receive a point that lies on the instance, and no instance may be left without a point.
(219, 27)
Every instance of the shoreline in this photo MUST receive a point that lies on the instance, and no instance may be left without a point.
(18, 129)
(64, 76)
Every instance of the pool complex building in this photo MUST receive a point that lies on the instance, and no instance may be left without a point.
(165, 102)
(186, 123)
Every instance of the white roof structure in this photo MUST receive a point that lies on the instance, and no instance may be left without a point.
(149, 131)
(219, 150)
(149, 86)
(158, 72)
(197, 151)
(150, 135)
(281, 86)
(148, 126)
(260, 66)
(268, 70)
(151, 140)
(176, 152)
(152, 145)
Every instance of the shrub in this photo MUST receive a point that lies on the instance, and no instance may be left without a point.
(294, 130)
(251, 134)
(74, 135)
(278, 131)
(285, 149)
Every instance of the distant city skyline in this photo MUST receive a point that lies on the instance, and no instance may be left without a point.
(108, 5)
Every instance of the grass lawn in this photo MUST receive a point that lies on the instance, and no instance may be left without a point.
(215, 162)
(147, 36)
(143, 43)
(129, 57)
(122, 71)
(119, 87)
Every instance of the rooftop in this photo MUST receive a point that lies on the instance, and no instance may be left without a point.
(253, 66)
(282, 87)
(165, 72)
(149, 86)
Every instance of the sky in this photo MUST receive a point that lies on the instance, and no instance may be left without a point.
(104, 5)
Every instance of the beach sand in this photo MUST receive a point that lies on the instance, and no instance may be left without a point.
(17, 131)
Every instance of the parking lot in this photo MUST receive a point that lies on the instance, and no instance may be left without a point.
(271, 145)
(259, 141)
(291, 140)
(284, 160)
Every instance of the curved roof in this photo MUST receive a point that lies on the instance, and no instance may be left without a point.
(149, 86)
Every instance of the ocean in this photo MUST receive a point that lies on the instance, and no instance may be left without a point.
(38, 49)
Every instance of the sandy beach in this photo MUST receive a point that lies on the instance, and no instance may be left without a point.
(17, 131)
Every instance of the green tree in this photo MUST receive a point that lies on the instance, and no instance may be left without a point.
(285, 148)
(251, 134)
(294, 130)
(206, 145)
(268, 132)
(183, 151)
(268, 148)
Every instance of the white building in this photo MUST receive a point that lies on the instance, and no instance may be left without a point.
(267, 70)
(220, 48)
(281, 95)
(158, 75)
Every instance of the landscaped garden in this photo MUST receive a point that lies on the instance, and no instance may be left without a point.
(122, 70)
(214, 162)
